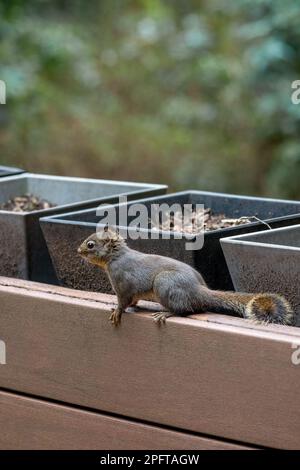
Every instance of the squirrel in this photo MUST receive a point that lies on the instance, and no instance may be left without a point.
(178, 287)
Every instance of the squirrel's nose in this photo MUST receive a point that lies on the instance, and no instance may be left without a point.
(79, 250)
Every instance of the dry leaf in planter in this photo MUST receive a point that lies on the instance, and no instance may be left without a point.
(201, 219)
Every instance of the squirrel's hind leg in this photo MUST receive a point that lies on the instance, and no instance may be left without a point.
(160, 317)
(175, 293)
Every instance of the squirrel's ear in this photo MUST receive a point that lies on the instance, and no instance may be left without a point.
(115, 235)
(110, 236)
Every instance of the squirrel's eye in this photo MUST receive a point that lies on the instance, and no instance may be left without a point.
(90, 245)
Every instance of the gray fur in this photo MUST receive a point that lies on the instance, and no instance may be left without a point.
(175, 285)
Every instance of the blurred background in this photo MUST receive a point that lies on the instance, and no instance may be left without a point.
(195, 94)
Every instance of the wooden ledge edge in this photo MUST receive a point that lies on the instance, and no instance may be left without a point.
(106, 302)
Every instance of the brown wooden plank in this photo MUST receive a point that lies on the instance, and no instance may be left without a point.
(215, 378)
(28, 423)
(109, 301)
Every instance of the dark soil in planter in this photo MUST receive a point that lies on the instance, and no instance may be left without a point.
(26, 203)
(64, 233)
(202, 219)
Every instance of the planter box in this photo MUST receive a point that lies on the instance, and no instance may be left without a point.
(23, 250)
(266, 261)
(234, 381)
(9, 171)
(65, 232)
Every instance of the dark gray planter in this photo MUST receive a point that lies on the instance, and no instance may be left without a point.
(23, 251)
(266, 261)
(9, 171)
(64, 233)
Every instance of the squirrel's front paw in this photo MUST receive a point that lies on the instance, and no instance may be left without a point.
(115, 317)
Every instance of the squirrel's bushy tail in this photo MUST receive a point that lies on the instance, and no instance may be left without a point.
(270, 308)
(261, 308)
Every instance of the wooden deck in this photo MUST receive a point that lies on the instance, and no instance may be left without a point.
(202, 382)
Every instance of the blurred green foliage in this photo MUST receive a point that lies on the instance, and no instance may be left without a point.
(196, 94)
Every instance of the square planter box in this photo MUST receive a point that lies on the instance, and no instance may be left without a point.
(65, 232)
(23, 250)
(10, 171)
(266, 261)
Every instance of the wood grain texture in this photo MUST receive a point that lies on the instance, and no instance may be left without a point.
(223, 378)
(28, 423)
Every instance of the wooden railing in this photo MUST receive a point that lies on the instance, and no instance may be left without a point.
(71, 380)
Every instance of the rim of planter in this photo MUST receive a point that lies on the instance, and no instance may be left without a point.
(144, 187)
(61, 218)
(246, 239)
(10, 171)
